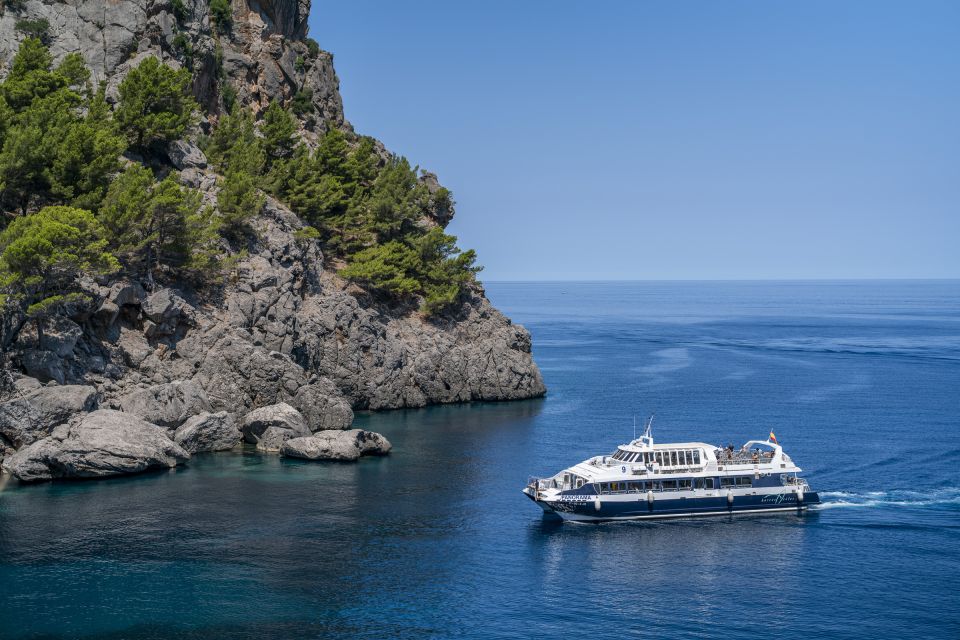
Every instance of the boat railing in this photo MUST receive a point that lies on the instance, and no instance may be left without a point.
(743, 458)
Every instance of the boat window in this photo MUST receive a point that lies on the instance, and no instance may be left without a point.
(727, 482)
(689, 458)
(696, 457)
(669, 485)
(685, 484)
(579, 482)
(704, 483)
(659, 458)
(673, 458)
(646, 458)
(744, 481)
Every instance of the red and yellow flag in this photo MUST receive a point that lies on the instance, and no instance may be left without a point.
(773, 438)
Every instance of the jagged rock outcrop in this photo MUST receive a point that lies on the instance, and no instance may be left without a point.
(103, 443)
(337, 445)
(208, 432)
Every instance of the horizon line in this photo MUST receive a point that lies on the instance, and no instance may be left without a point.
(600, 280)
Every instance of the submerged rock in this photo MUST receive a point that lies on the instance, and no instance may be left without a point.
(337, 445)
(168, 405)
(273, 424)
(33, 416)
(104, 443)
(208, 432)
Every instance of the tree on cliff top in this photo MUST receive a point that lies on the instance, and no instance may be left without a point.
(429, 265)
(155, 103)
(43, 255)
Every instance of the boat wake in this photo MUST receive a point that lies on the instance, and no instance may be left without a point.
(912, 499)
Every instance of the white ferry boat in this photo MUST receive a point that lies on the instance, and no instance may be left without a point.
(643, 480)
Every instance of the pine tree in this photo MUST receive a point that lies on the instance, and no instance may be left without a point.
(30, 76)
(149, 223)
(42, 257)
(86, 157)
(239, 200)
(278, 129)
(155, 103)
(234, 145)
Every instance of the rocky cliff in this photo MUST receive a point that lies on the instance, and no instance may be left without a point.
(281, 329)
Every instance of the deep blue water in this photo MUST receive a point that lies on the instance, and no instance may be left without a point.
(860, 381)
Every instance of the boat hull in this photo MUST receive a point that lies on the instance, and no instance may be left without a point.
(639, 508)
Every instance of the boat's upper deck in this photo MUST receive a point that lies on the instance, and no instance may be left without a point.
(643, 458)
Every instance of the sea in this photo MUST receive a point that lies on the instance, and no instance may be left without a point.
(859, 380)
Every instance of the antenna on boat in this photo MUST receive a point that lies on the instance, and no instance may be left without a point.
(646, 432)
(634, 426)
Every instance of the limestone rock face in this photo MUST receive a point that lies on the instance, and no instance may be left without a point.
(208, 432)
(337, 445)
(103, 443)
(167, 405)
(263, 57)
(32, 416)
(276, 418)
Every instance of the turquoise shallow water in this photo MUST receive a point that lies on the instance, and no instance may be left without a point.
(860, 381)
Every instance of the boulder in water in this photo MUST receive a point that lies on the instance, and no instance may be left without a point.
(208, 432)
(337, 445)
(280, 417)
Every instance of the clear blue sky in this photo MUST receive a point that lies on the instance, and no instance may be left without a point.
(671, 139)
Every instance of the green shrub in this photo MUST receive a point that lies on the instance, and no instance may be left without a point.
(179, 10)
(221, 13)
(302, 102)
(38, 28)
(228, 96)
(182, 44)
